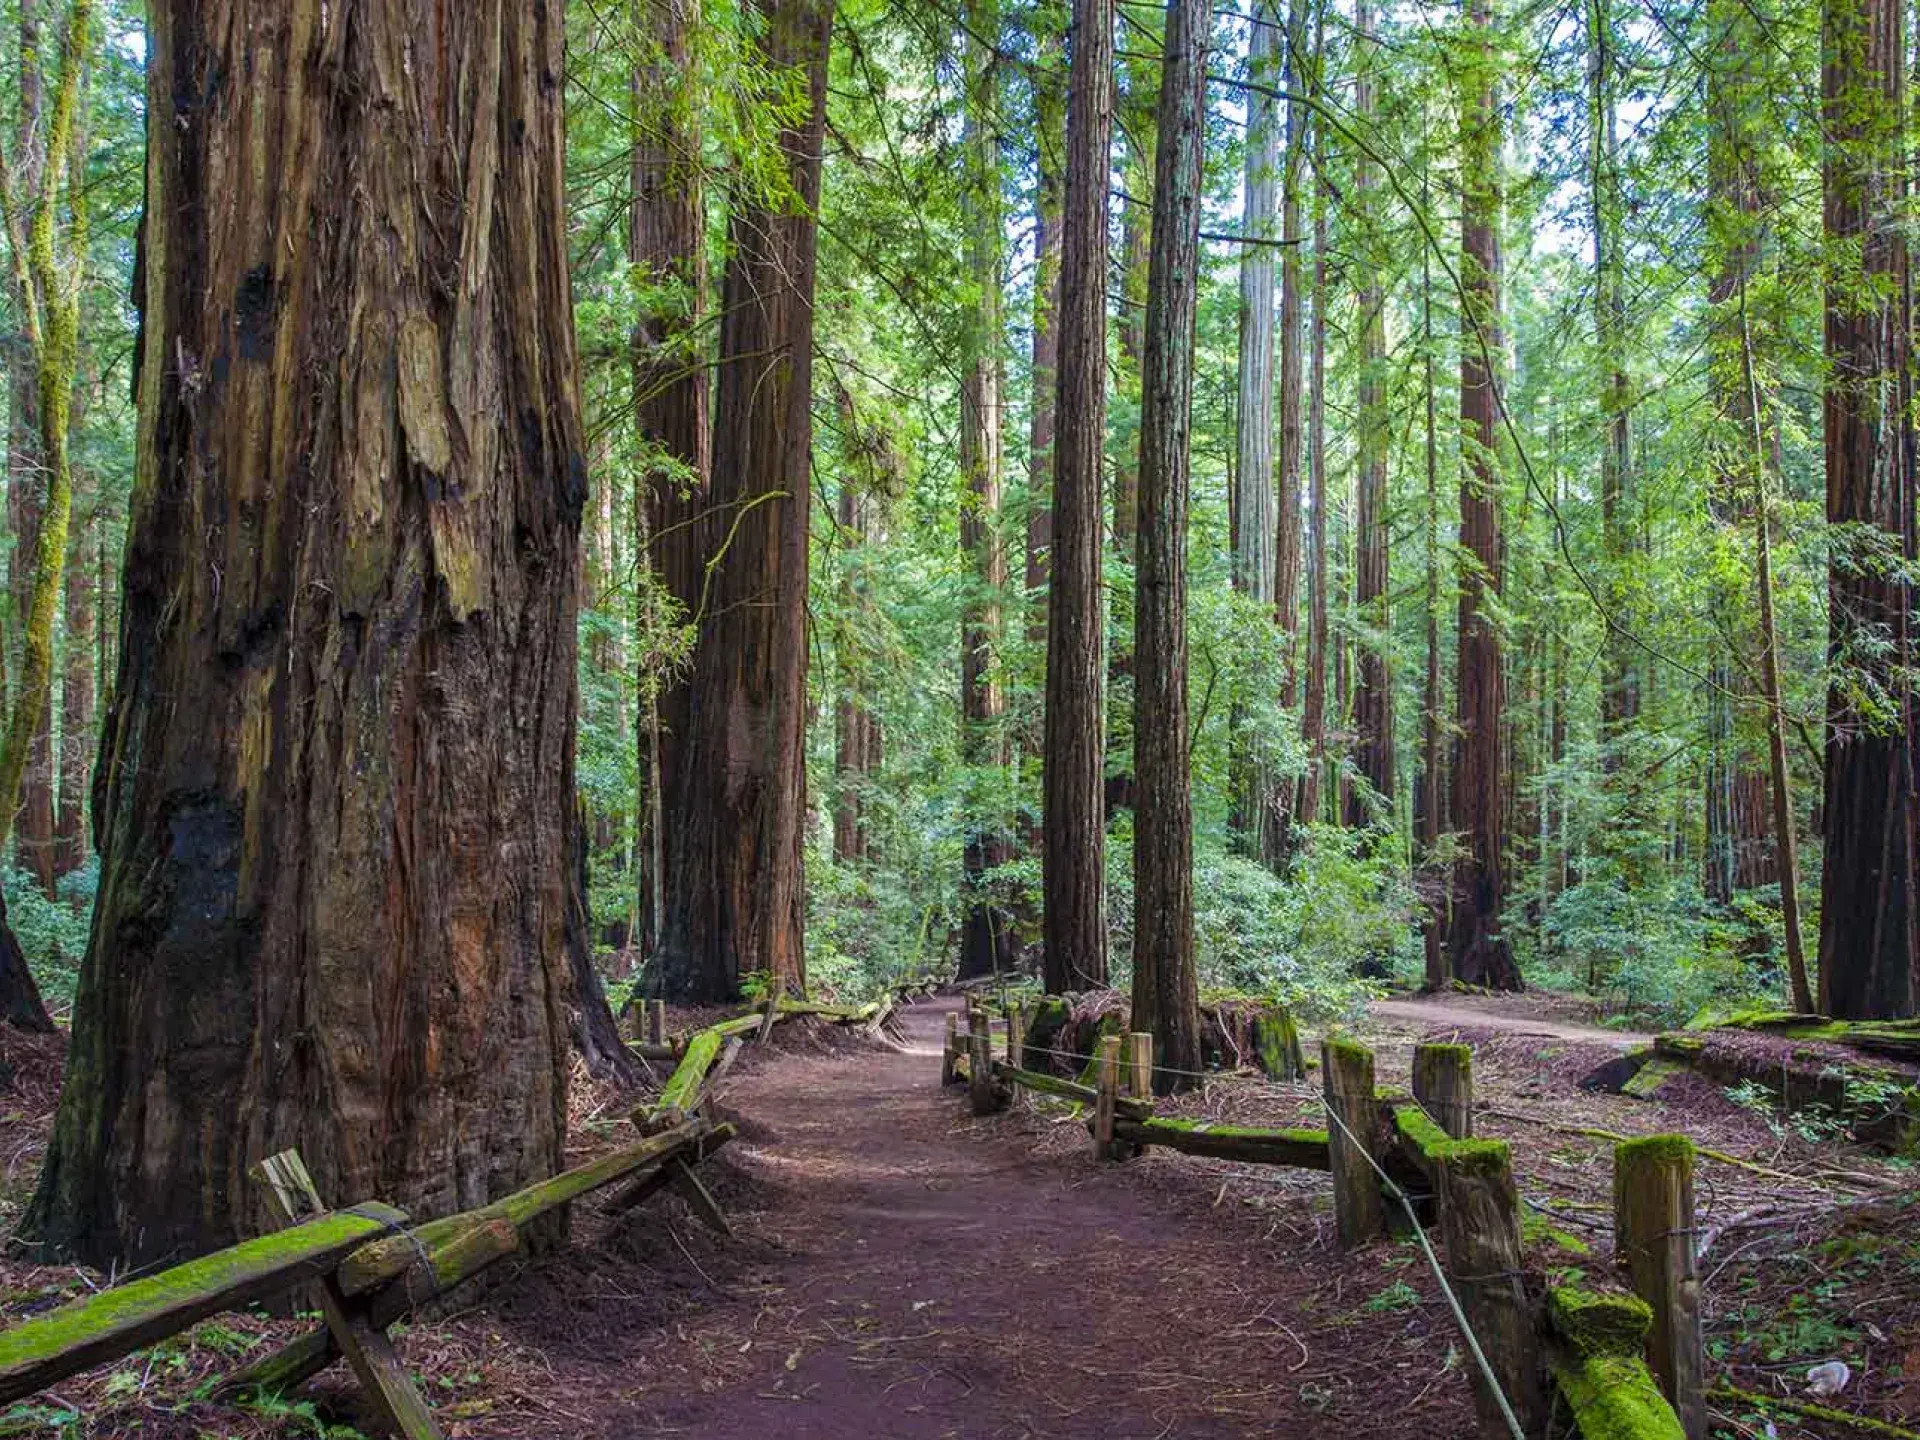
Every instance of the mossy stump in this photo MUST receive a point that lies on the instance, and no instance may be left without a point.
(1346, 1070)
(1443, 1084)
(1480, 1228)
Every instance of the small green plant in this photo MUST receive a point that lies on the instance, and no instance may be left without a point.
(1396, 1297)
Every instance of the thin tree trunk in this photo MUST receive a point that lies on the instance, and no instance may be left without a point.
(1288, 529)
(1049, 196)
(1480, 953)
(855, 730)
(1373, 721)
(1869, 953)
(1255, 564)
(1313, 720)
(735, 901)
(1433, 787)
(1166, 999)
(78, 727)
(337, 781)
(1073, 860)
(985, 938)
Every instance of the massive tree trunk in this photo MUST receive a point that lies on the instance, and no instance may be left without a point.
(336, 785)
(1869, 953)
(1073, 860)
(1049, 101)
(1254, 563)
(736, 808)
(1480, 953)
(666, 242)
(1373, 680)
(986, 935)
(1166, 997)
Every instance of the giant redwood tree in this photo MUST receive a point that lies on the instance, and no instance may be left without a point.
(1073, 857)
(1166, 994)
(1869, 913)
(737, 807)
(336, 782)
(1478, 951)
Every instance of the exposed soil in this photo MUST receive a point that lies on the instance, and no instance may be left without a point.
(901, 1269)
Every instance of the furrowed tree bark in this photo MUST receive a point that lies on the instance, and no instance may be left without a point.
(337, 778)
(1050, 104)
(1166, 997)
(1254, 562)
(1869, 952)
(735, 903)
(986, 934)
(1073, 859)
(1373, 678)
(1480, 954)
(666, 242)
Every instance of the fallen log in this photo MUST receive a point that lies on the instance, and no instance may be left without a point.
(679, 1094)
(1596, 1363)
(42, 1351)
(1254, 1145)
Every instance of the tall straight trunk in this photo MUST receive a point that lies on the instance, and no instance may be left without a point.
(666, 243)
(856, 730)
(33, 825)
(1373, 679)
(1432, 782)
(1049, 101)
(985, 937)
(1739, 842)
(1254, 562)
(1479, 953)
(1620, 686)
(78, 726)
(337, 779)
(735, 902)
(1313, 717)
(1073, 860)
(1166, 992)
(1869, 954)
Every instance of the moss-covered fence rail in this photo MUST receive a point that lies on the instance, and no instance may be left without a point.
(1600, 1364)
(367, 1266)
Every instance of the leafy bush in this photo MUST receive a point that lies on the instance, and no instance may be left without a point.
(53, 933)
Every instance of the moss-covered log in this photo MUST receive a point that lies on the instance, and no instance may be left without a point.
(385, 1260)
(39, 1352)
(1124, 1105)
(1614, 1397)
(1255, 1145)
(682, 1090)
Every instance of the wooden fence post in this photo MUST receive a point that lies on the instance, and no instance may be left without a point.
(1140, 1065)
(1443, 1084)
(980, 1062)
(1017, 1035)
(1653, 1236)
(1108, 1087)
(656, 1022)
(953, 1048)
(1480, 1228)
(1346, 1070)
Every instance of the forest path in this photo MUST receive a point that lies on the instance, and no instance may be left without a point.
(922, 1273)
(1506, 1014)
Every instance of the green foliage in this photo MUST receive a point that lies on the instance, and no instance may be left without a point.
(52, 933)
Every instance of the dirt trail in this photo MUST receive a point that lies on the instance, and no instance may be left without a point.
(920, 1273)
(1509, 1015)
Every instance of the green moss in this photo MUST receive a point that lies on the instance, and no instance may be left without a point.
(1614, 1397)
(1416, 1128)
(1239, 1132)
(684, 1084)
(1473, 1157)
(1276, 1040)
(1349, 1050)
(1659, 1150)
(1536, 1229)
(1599, 1322)
(1651, 1076)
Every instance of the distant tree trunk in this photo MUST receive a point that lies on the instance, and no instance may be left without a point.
(337, 782)
(1049, 127)
(1432, 782)
(1313, 716)
(986, 935)
(1480, 953)
(1373, 687)
(856, 730)
(1869, 952)
(1166, 999)
(1254, 562)
(1073, 861)
(735, 902)
(78, 727)
(666, 243)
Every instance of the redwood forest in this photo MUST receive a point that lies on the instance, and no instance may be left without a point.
(992, 718)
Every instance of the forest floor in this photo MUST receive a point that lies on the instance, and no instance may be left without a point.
(902, 1269)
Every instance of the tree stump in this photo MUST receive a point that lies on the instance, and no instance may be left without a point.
(1017, 1035)
(980, 1086)
(947, 1067)
(1347, 1076)
(1443, 1084)
(1108, 1087)
(657, 1022)
(1480, 1228)
(1653, 1237)
(1140, 1065)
